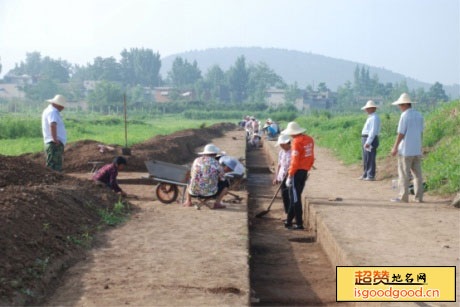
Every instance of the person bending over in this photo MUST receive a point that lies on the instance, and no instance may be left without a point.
(207, 178)
(108, 174)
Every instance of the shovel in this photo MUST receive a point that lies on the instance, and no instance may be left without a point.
(260, 214)
(125, 150)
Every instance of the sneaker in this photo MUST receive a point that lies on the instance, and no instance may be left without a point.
(369, 179)
(398, 200)
(287, 225)
(361, 178)
(419, 201)
(297, 227)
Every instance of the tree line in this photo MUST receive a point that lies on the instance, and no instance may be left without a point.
(139, 69)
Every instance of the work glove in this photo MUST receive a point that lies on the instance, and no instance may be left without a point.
(289, 182)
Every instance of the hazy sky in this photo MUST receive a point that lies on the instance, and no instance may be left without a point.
(418, 38)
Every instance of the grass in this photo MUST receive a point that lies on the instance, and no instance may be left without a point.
(441, 164)
(22, 135)
(115, 216)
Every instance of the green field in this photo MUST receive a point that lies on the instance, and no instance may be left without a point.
(441, 142)
(20, 135)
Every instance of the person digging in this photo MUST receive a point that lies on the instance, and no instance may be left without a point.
(108, 175)
(207, 178)
(284, 161)
(302, 159)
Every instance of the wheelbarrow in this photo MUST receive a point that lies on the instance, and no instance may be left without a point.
(169, 178)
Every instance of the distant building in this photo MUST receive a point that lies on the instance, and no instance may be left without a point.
(164, 94)
(20, 79)
(318, 100)
(90, 85)
(308, 100)
(9, 90)
(275, 97)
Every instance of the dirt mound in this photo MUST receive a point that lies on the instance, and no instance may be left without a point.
(177, 148)
(45, 220)
(20, 171)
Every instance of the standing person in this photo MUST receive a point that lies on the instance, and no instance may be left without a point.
(302, 159)
(370, 141)
(54, 134)
(108, 174)
(284, 161)
(408, 147)
(248, 128)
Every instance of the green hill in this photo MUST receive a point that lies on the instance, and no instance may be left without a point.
(305, 68)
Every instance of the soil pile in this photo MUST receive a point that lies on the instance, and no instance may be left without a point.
(45, 220)
(176, 148)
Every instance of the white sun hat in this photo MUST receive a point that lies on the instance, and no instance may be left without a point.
(58, 99)
(370, 104)
(283, 139)
(293, 128)
(403, 99)
(210, 149)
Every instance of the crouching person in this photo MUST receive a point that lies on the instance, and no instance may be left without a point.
(207, 178)
(108, 174)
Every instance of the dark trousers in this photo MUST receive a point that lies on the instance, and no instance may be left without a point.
(369, 166)
(285, 195)
(295, 195)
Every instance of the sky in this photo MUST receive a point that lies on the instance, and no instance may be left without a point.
(418, 38)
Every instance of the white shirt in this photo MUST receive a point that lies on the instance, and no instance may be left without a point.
(52, 115)
(371, 127)
(239, 169)
(284, 161)
(411, 125)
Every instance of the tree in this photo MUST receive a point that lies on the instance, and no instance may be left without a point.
(238, 77)
(46, 68)
(140, 66)
(322, 87)
(183, 73)
(345, 95)
(292, 93)
(106, 94)
(261, 77)
(436, 93)
(107, 69)
(45, 88)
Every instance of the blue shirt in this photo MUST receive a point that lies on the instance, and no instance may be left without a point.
(411, 125)
(371, 127)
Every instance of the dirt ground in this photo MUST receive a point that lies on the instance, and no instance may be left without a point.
(45, 218)
(167, 254)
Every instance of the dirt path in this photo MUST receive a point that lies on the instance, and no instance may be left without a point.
(287, 267)
(167, 255)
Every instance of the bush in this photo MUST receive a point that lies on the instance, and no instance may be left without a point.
(12, 128)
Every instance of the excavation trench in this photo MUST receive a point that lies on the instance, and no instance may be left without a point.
(286, 267)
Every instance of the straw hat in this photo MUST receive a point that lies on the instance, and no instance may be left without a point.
(403, 99)
(293, 128)
(370, 104)
(210, 149)
(58, 99)
(283, 139)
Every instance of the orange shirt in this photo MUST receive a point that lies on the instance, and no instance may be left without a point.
(303, 155)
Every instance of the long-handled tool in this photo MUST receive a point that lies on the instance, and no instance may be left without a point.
(260, 214)
(125, 150)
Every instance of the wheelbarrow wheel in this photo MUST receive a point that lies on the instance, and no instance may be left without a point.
(167, 192)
